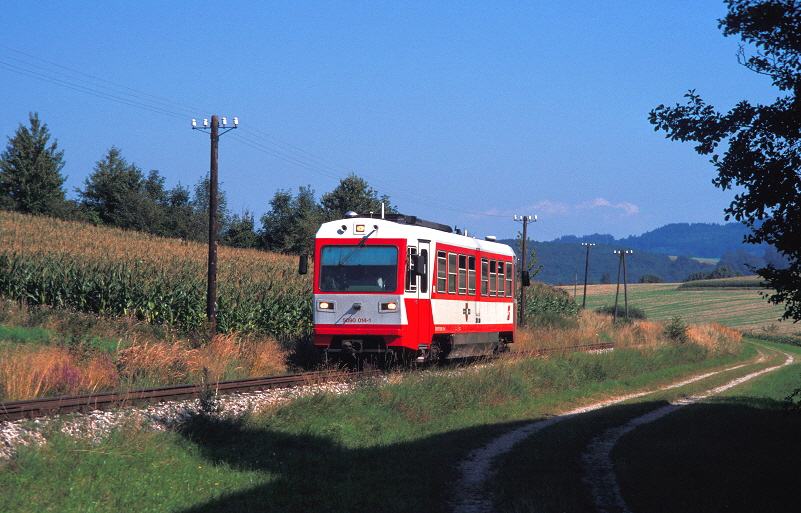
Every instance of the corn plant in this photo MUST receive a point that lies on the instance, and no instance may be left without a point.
(161, 281)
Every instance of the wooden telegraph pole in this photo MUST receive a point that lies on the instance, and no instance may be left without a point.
(211, 293)
(586, 269)
(524, 276)
(622, 265)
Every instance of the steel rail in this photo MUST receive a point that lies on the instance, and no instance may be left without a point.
(32, 408)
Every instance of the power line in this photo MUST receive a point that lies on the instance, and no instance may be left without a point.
(86, 83)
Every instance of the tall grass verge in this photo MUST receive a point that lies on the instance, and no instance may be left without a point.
(592, 328)
(29, 371)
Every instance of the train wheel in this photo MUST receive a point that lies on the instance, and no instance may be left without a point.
(501, 348)
(434, 354)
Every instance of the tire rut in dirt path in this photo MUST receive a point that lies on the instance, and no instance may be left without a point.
(599, 473)
(470, 494)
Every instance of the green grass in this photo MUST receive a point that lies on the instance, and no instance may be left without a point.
(743, 453)
(382, 448)
(735, 452)
(740, 308)
(20, 335)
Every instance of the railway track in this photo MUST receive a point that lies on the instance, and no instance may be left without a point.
(33, 408)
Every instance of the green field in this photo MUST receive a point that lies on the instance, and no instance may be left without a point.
(737, 308)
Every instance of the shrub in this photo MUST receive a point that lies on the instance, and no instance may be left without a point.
(634, 312)
(651, 278)
(722, 271)
(549, 306)
(676, 330)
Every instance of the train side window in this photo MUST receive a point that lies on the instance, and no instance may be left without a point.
(462, 274)
(424, 277)
(451, 273)
(493, 277)
(442, 272)
(471, 275)
(484, 277)
(510, 275)
(501, 278)
(411, 277)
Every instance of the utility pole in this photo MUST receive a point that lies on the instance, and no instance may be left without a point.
(625, 289)
(211, 294)
(524, 276)
(586, 269)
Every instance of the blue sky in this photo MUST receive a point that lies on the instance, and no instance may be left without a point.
(464, 113)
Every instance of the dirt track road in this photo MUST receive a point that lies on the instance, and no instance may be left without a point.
(471, 496)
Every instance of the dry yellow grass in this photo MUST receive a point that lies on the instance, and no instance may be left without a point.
(594, 328)
(225, 357)
(30, 372)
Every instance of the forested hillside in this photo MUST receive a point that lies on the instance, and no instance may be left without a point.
(563, 259)
(563, 264)
(703, 240)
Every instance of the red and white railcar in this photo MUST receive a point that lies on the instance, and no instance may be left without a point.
(410, 287)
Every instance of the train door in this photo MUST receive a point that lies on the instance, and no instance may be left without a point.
(418, 289)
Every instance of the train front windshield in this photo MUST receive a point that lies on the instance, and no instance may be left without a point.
(358, 268)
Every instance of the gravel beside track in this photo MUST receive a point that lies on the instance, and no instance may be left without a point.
(159, 417)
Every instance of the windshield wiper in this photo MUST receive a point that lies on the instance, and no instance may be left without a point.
(358, 246)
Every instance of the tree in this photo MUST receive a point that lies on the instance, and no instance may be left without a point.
(30, 171)
(110, 194)
(353, 193)
(179, 216)
(723, 271)
(119, 194)
(741, 261)
(200, 210)
(241, 233)
(292, 222)
(762, 143)
(532, 260)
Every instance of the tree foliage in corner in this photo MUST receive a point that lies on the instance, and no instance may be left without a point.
(762, 143)
(30, 171)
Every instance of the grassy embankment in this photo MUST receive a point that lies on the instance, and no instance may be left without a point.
(390, 446)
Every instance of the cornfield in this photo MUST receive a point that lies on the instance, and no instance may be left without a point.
(112, 272)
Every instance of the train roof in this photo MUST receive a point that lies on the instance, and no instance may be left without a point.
(406, 227)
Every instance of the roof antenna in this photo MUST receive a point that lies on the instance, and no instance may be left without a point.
(382, 210)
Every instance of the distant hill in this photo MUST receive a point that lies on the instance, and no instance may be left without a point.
(563, 259)
(563, 263)
(704, 240)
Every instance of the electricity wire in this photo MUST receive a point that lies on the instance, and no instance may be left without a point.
(252, 137)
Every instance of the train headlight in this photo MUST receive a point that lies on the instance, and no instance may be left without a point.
(359, 228)
(325, 305)
(388, 307)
